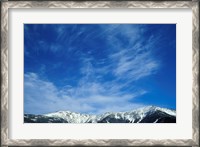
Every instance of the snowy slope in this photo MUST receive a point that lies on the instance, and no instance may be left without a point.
(71, 117)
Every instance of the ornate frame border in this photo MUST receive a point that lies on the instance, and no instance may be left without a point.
(5, 141)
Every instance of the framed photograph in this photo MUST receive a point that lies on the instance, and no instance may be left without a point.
(99, 73)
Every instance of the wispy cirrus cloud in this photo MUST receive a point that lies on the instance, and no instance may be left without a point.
(134, 67)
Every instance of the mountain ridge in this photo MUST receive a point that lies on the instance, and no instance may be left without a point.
(149, 114)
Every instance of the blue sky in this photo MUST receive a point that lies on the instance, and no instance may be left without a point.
(95, 68)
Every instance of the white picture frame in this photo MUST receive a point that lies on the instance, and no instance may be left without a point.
(6, 52)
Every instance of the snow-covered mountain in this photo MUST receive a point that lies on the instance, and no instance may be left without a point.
(150, 114)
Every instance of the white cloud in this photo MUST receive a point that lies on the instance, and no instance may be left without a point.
(43, 96)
